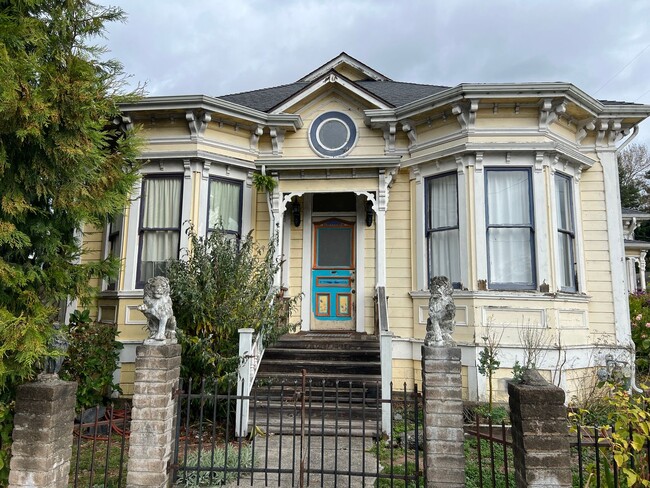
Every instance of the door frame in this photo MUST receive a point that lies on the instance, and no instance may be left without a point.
(307, 256)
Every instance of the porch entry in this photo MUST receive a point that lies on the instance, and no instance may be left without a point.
(333, 275)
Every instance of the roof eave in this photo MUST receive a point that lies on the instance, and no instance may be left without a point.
(213, 105)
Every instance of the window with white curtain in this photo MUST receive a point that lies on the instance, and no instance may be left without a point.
(224, 206)
(510, 229)
(443, 246)
(160, 225)
(565, 233)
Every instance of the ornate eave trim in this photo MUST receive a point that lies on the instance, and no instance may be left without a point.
(571, 155)
(216, 107)
(330, 163)
(196, 155)
(517, 91)
(345, 58)
(335, 79)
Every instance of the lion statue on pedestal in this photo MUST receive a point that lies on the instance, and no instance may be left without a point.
(442, 311)
(157, 307)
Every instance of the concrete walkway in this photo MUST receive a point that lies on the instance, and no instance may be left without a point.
(337, 453)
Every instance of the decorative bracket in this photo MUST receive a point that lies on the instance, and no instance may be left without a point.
(610, 132)
(408, 126)
(187, 169)
(197, 124)
(206, 169)
(390, 131)
(478, 164)
(277, 140)
(256, 133)
(123, 122)
(549, 112)
(583, 127)
(466, 114)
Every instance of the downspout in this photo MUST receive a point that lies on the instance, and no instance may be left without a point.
(633, 385)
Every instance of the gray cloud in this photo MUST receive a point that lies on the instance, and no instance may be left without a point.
(219, 47)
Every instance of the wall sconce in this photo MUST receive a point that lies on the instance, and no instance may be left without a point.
(295, 211)
(369, 213)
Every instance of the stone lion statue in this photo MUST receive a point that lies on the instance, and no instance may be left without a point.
(442, 311)
(157, 307)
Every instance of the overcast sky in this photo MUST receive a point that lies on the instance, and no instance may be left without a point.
(216, 47)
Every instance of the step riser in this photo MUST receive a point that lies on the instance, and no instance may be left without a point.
(320, 355)
(345, 368)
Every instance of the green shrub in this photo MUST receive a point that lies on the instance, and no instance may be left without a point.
(224, 284)
(92, 359)
(640, 323)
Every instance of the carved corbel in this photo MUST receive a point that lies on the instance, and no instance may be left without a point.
(616, 132)
(602, 127)
(277, 139)
(383, 190)
(249, 179)
(466, 114)
(584, 126)
(539, 161)
(415, 174)
(578, 173)
(408, 126)
(123, 122)
(478, 162)
(256, 133)
(187, 169)
(549, 112)
(206, 169)
(461, 166)
(197, 124)
(390, 131)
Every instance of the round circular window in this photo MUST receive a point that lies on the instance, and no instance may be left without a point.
(332, 134)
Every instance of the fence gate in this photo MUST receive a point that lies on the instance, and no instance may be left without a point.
(302, 433)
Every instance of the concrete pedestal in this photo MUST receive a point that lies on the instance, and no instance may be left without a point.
(157, 370)
(444, 458)
(42, 435)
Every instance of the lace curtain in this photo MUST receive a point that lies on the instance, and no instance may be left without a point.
(444, 252)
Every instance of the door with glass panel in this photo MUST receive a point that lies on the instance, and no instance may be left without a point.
(333, 275)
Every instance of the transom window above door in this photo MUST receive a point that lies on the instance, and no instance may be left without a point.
(332, 134)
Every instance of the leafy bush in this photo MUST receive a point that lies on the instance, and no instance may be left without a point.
(224, 284)
(640, 323)
(92, 358)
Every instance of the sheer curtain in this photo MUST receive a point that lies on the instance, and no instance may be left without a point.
(565, 233)
(161, 218)
(509, 227)
(224, 205)
(444, 252)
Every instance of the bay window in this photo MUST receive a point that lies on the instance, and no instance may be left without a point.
(565, 233)
(443, 246)
(510, 229)
(224, 206)
(160, 225)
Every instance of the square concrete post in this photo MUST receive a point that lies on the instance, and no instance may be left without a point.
(444, 456)
(540, 438)
(42, 435)
(157, 371)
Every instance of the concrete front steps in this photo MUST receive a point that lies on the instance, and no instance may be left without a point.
(342, 385)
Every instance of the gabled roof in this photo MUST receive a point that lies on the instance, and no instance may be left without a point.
(363, 70)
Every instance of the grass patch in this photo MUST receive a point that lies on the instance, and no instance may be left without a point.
(105, 472)
(213, 463)
(472, 475)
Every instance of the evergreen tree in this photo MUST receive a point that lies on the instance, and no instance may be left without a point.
(64, 162)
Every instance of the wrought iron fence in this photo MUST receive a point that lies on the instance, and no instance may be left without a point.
(303, 433)
(99, 451)
(489, 456)
(593, 458)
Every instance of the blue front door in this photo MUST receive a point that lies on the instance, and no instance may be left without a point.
(333, 277)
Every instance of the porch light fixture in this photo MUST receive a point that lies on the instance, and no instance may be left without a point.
(369, 213)
(295, 211)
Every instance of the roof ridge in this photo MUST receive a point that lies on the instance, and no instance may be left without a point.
(262, 89)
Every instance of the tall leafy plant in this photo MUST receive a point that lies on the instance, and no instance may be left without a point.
(63, 164)
(224, 284)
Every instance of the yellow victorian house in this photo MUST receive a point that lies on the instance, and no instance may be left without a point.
(508, 189)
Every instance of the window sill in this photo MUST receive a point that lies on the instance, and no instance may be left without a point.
(512, 295)
(121, 294)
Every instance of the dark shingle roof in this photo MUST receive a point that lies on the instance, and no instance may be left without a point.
(631, 211)
(615, 102)
(393, 92)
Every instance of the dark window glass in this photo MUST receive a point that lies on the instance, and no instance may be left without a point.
(334, 202)
(334, 247)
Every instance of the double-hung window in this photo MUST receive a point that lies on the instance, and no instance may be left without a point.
(114, 238)
(565, 233)
(510, 229)
(160, 225)
(224, 206)
(443, 246)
